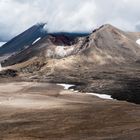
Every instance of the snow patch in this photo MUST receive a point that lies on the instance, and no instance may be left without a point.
(0, 68)
(102, 96)
(66, 86)
(2, 43)
(36, 40)
(76, 91)
(138, 41)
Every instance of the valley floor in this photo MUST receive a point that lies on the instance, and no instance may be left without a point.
(43, 111)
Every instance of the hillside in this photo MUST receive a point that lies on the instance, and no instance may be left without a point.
(22, 41)
(107, 62)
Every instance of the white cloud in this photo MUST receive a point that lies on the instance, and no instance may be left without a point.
(67, 15)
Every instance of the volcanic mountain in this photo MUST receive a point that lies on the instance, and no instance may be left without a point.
(106, 44)
(22, 41)
(107, 61)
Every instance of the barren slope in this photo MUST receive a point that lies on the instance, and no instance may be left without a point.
(106, 61)
(40, 111)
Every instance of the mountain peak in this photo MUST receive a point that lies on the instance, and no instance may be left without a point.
(41, 24)
(105, 27)
(108, 26)
(24, 39)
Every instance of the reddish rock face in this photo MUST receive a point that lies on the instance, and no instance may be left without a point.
(62, 40)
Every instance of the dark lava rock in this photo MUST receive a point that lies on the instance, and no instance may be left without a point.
(8, 73)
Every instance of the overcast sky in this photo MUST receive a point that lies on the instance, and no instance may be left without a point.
(67, 15)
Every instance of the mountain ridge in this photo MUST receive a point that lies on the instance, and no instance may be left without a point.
(107, 61)
(23, 40)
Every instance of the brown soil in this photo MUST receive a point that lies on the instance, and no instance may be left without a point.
(42, 111)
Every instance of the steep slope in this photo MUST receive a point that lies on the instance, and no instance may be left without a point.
(110, 44)
(105, 45)
(55, 45)
(2, 43)
(23, 40)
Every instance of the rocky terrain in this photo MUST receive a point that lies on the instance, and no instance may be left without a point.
(107, 62)
(43, 111)
(34, 105)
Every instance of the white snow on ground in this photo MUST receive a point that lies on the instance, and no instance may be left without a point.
(36, 40)
(2, 43)
(0, 67)
(102, 96)
(66, 86)
(138, 41)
